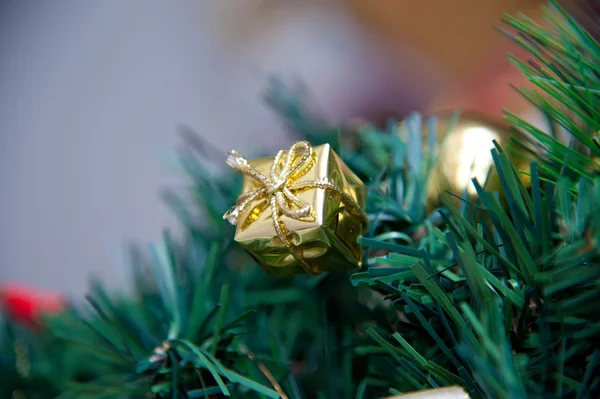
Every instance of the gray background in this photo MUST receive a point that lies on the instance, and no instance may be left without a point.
(91, 94)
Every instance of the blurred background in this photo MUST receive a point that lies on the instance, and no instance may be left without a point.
(92, 94)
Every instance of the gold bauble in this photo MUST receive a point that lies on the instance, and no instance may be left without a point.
(464, 153)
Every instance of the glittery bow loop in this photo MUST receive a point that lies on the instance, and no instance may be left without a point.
(280, 189)
(288, 167)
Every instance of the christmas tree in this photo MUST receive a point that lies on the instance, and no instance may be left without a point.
(497, 294)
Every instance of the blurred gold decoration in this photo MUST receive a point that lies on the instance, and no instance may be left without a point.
(437, 393)
(464, 153)
(299, 212)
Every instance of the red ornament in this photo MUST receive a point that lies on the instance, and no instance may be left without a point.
(26, 304)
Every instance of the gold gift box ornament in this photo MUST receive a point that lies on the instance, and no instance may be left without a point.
(300, 212)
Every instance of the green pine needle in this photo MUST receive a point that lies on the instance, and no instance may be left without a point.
(499, 295)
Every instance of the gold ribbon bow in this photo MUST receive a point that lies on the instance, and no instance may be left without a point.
(280, 189)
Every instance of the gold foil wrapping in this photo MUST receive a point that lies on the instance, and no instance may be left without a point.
(324, 241)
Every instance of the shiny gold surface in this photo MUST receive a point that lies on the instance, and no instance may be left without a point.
(464, 152)
(327, 240)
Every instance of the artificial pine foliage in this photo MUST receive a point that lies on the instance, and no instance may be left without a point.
(564, 71)
(499, 295)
